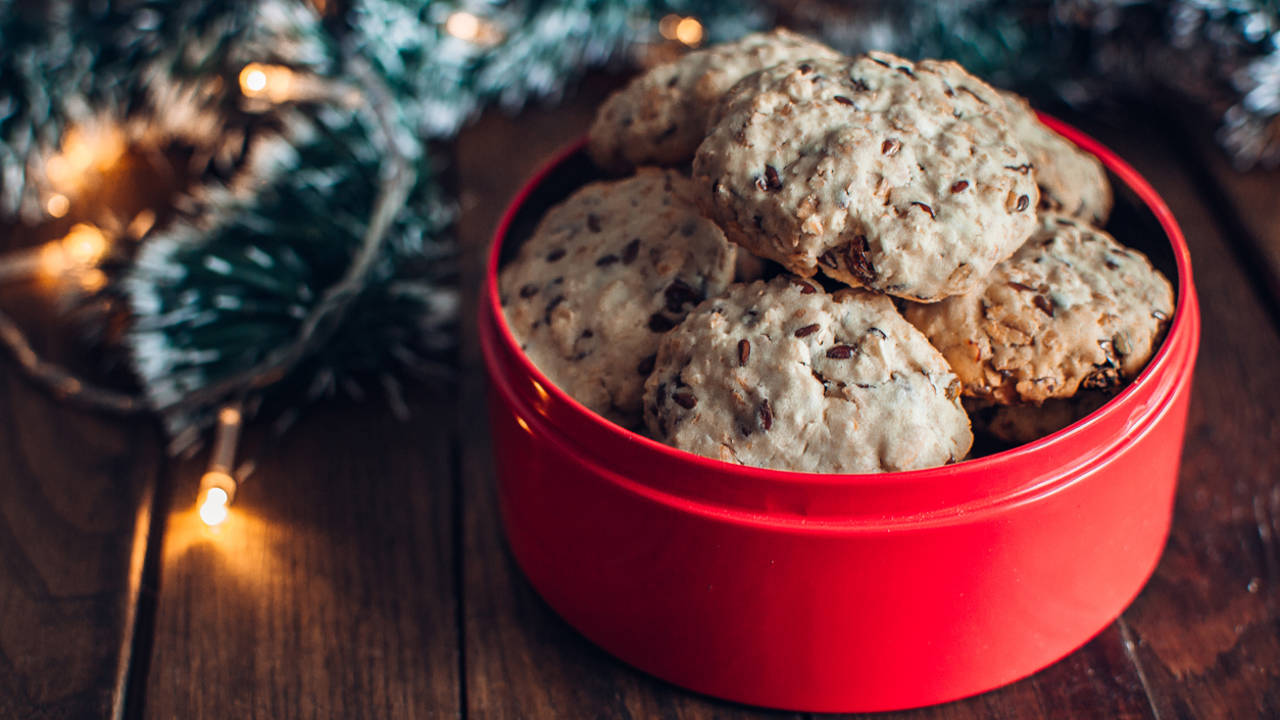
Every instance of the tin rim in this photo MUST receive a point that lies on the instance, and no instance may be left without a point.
(1170, 368)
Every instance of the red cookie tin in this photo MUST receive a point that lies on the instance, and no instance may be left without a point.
(840, 592)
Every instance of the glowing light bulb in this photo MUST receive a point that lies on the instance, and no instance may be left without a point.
(93, 280)
(463, 25)
(216, 491)
(57, 205)
(217, 486)
(274, 83)
(84, 245)
(472, 28)
(253, 79)
(213, 511)
(689, 31)
(667, 26)
(83, 152)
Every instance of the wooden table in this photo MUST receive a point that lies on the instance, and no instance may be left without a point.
(363, 573)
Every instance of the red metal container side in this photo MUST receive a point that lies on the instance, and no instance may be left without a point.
(840, 592)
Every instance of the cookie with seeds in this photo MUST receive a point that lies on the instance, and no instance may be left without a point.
(781, 375)
(1072, 309)
(603, 276)
(901, 177)
(1022, 423)
(661, 116)
(1072, 182)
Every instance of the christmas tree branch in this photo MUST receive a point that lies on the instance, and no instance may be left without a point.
(397, 180)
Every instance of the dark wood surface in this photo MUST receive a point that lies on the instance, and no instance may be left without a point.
(363, 572)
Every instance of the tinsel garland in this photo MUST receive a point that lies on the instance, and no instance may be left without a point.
(311, 255)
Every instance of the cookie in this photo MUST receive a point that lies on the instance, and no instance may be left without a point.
(1071, 309)
(661, 116)
(603, 276)
(781, 375)
(1027, 422)
(902, 177)
(1072, 182)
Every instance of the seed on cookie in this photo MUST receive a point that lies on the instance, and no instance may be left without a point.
(792, 167)
(1072, 309)
(588, 306)
(1071, 181)
(662, 115)
(791, 407)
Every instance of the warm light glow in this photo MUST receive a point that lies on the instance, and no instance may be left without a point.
(229, 416)
(667, 26)
(216, 496)
(91, 281)
(271, 82)
(463, 25)
(689, 32)
(213, 505)
(542, 392)
(79, 251)
(520, 421)
(140, 224)
(469, 27)
(213, 513)
(57, 205)
(84, 245)
(84, 151)
(53, 259)
(253, 80)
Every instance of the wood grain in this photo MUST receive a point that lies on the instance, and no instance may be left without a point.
(523, 661)
(76, 493)
(1206, 631)
(1246, 202)
(363, 572)
(329, 592)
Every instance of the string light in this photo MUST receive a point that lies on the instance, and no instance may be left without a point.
(217, 485)
(689, 32)
(265, 85)
(79, 251)
(140, 224)
(686, 30)
(57, 205)
(84, 151)
(473, 29)
(274, 83)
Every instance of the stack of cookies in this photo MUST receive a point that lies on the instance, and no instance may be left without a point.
(965, 280)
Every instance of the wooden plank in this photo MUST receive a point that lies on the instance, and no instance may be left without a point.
(523, 661)
(1249, 199)
(76, 495)
(329, 592)
(1205, 630)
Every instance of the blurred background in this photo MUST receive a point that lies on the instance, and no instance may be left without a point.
(166, 168)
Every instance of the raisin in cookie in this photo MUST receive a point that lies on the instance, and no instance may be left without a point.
(1072, 181)
(661, 116)
(902, 177)
(1071, 309)
(607, 272)
(781, 375)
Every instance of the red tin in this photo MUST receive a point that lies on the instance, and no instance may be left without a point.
(841, 592)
